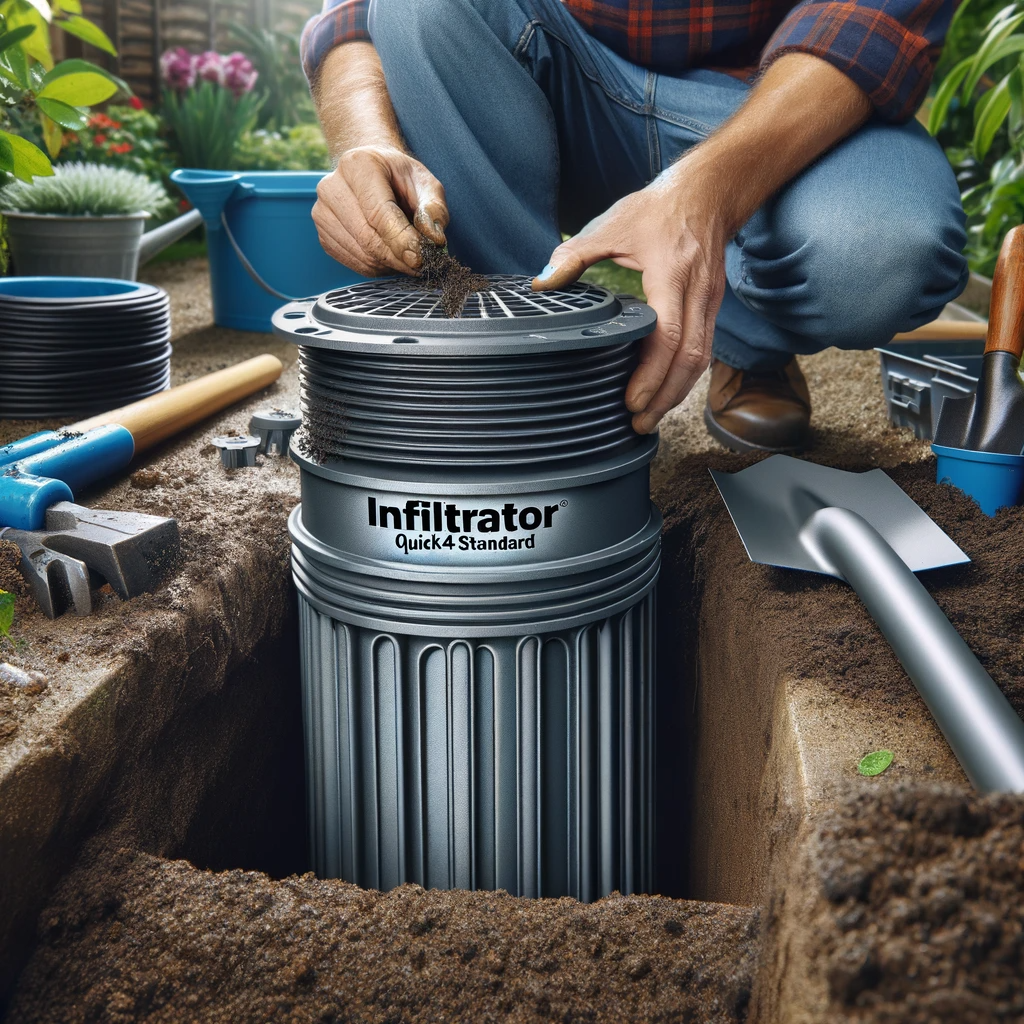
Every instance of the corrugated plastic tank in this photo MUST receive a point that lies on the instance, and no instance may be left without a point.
(475, 554)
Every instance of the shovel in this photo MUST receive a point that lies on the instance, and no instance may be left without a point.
(992, 420)
(861, 528)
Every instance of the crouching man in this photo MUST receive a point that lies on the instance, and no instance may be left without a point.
(756, 160)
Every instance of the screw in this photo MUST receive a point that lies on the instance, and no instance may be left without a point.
(236, 450)
(274, 428)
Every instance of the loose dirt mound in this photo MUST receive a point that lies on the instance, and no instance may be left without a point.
(917, 915)
(133, 938)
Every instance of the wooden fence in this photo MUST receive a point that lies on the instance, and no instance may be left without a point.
(143, 29)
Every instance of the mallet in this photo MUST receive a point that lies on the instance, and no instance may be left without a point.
(45, 468)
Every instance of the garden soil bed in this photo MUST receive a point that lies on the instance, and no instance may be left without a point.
(821, 896)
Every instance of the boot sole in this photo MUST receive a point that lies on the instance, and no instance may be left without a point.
(738, 444)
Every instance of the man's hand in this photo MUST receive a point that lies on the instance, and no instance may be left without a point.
(675, 230)
(683, 275)
(371, 211)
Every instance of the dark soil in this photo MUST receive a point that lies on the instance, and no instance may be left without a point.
(919, 917)
(133, 938)
(442, 272)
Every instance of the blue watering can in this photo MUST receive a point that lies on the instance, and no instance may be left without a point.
(262, 243)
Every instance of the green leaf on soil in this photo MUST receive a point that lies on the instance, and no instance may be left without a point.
(875, 763)
(6, 612)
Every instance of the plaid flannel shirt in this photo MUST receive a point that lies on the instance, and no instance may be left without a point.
(888, 47)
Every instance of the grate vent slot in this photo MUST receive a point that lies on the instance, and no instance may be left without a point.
(509, 297)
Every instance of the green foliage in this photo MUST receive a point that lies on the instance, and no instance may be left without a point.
(6, 613)
(281, 83)
(1000, 52)
(620, 280)
(207, 122)
(302, 148)
(978, 116)
(33, 87)
(86, 190)
(125, 137)
(875, 763)
(993, 207)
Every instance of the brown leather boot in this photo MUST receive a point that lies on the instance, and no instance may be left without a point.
(759, 410)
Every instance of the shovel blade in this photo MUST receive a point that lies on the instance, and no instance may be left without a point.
(771, 501)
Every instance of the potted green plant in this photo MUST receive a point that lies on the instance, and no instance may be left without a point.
(87, 220)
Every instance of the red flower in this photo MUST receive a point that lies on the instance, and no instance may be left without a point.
(136, 104)
(99, 139)
(100, 121)
(120, 147)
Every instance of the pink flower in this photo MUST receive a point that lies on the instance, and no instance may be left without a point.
(239, 74)
(178, 69)
(210, 67)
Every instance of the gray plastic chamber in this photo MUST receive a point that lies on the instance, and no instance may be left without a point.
(475, 555)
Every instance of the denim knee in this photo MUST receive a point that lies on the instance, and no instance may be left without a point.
(853, 284)
(411, 30)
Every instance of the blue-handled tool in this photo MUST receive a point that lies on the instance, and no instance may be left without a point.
(42, 469)
(66, 549)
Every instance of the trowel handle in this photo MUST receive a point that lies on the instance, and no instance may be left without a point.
(1006, 314)
(164, 414)
(985, 733)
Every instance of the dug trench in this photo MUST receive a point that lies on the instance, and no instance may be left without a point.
(152, 840)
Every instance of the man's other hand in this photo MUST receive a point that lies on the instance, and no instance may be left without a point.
(674, 232)
(371, 212)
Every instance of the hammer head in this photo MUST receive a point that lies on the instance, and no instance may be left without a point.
(129, 550)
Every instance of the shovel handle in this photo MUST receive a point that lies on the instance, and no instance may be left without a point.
(162, 415)
(983, 730)
(1006, 314)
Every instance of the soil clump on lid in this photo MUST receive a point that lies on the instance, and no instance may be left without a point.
(444, 273)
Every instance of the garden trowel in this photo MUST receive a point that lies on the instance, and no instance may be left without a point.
(992, 420)
(862, 528)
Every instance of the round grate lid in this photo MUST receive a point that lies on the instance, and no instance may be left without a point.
(506, 317)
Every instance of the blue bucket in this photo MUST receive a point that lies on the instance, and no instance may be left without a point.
(262, 243)
(993, 480)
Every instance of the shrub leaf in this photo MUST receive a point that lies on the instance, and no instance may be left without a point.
(875, 763)
(6, 612)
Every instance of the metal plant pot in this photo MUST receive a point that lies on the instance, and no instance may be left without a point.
(52, 245)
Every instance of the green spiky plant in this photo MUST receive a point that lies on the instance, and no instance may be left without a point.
(86, 190)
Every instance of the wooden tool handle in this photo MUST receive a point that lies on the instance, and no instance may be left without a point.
(947, 330)
(1006, 316)
(160, 416)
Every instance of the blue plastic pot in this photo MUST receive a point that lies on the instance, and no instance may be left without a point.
(991, 479)
(262, 243)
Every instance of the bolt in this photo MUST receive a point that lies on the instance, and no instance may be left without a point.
(274, 428)
(236, 450)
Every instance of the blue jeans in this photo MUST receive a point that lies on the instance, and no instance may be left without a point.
(532, 126)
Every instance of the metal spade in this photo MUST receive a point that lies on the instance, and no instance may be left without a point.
(992, 420)
(862, 528)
